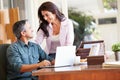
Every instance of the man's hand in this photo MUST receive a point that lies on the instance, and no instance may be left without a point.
(44, 63)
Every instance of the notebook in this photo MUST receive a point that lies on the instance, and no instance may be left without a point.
(65, 56)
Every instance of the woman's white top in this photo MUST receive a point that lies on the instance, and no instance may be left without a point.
(54, 42)
(66, 35)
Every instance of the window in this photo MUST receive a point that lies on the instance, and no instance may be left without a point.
(111, 20)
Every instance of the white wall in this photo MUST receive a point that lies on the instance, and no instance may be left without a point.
(1, 4)
(61, 4)
(109, 33)
(85, 5)
(31, 14)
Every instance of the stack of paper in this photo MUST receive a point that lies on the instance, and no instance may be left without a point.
(115, 64)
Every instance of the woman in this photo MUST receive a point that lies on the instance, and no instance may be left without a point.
(54, 27)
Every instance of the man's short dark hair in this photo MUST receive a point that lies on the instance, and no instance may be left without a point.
(18, 27)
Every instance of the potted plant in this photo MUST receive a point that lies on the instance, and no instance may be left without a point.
(116, 50)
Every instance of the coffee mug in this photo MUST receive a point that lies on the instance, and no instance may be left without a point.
(77, 60)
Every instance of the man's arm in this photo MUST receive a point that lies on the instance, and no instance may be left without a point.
(31, 67)
(16, 63)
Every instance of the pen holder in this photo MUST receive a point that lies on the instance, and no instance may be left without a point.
(95, 60)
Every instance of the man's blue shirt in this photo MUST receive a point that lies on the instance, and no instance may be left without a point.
(19, 54)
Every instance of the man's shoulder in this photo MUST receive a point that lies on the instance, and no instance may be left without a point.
(14, 44)
(34, 44)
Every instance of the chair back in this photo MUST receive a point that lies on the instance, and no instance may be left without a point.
(3, 61)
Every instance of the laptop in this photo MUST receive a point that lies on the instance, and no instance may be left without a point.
(65, 56)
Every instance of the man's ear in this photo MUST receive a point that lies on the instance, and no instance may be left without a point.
(23, 33)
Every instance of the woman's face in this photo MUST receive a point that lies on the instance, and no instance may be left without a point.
(48, 16)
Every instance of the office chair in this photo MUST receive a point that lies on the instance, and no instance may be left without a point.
(3, 61)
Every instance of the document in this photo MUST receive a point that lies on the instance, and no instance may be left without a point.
(115, 64)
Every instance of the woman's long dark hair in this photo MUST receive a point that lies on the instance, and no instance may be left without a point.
(51, 7)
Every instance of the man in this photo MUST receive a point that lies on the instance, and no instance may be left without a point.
(24, 56)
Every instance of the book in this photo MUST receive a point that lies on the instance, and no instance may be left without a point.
(114, 64)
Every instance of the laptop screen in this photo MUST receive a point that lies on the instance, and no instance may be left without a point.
(65, 55)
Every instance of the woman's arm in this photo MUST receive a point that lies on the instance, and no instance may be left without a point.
(70, 34)
(39, 37)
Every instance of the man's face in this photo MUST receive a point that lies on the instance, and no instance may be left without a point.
(28, 33)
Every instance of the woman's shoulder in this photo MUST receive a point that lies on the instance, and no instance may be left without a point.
(67, 21)
(40, 32)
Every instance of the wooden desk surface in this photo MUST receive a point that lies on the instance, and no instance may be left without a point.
(78, 72)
